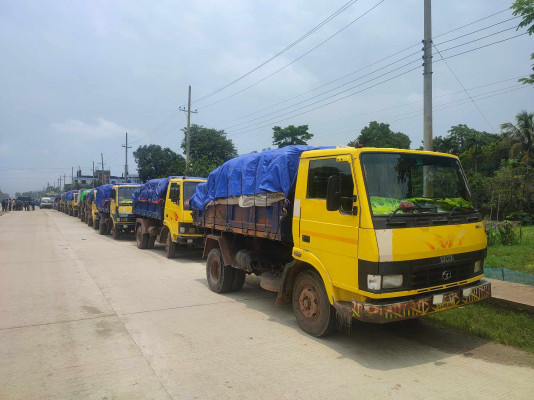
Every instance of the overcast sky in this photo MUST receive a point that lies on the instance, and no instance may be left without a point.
(76, 75)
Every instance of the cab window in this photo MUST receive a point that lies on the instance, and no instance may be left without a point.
(174, 193)
(318, 174)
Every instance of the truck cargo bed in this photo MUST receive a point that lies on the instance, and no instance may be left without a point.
(271, 222)
(149, 209)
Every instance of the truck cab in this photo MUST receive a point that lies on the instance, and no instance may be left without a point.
(72, 204)
(121, 219)
(393, 233)
(175, 228)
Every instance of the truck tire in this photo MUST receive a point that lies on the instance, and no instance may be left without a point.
(239, 279)
(116, 232)
(89, 221)
(96, 224)
(170, 246)
(141, 238)
(312, 309)
(151, 241)
(102, 229)
(220, 277)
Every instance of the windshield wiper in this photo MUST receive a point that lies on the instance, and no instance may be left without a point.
(412, 208)
(461, 208)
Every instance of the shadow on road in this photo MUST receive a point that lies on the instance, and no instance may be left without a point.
(388, 346)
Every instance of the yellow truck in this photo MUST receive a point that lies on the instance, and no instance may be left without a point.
(114, 205)
(161, 208)
(72, 202)
(378, 235)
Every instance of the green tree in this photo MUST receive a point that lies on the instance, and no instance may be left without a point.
(522, 135)
(291, 135)
(380, 135)
(153, 161)
(525, 8)
(210, 143)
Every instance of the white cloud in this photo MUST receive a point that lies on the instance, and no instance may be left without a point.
(101, 129)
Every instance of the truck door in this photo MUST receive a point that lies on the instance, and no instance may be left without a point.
(332, 236)
(173, 210)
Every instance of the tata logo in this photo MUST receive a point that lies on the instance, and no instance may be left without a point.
(447, 259)
(446, 275)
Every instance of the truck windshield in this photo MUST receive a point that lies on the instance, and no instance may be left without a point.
(125, 195)
(414, 183)
(189, 191)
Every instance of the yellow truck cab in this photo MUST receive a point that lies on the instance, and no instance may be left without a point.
(120, 218)
(166, 217)
(377, 235)
(72, 204)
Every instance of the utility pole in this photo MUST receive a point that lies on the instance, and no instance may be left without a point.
(188, 130)
(64, 180)
(71, 177)
(126, 147)
(103, 175)
(427, 76)
(428, 189)
(93, 174)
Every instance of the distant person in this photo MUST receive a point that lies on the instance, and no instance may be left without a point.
(4, 204)
(33, 205)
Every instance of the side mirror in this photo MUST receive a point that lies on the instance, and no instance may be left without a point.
(333, 195)
(113, 194)
(175, 194)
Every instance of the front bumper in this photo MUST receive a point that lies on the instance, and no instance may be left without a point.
(196, 241)
(415, 307)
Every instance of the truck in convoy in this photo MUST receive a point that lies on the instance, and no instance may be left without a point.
(92, 212)
(378, 235)
(162, 212)
(114, 205)
(82, 205)
(62, 205)
(72, 202)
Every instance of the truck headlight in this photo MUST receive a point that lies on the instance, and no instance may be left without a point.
(374, 282)
(182, 229)
(479, 265)
(391, 281)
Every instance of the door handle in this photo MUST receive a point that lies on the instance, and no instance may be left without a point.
(306, 238)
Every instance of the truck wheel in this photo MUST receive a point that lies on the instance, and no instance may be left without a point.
(89, 221)
(314, 313)
(170, 247)
(220, 277)
(141, 239)
(239, 279)
(102, 229)
(151, 241)
(96, 223)
(116, 233)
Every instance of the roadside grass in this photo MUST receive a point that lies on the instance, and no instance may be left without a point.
(490, 321)
(518, 257)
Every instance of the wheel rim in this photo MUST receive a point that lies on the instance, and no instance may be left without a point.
(309, 302)
(215, 271)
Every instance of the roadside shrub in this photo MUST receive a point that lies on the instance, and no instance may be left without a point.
(503, 232)
(520, 216)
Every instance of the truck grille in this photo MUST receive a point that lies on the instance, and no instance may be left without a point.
(131, 217)
(433, 275)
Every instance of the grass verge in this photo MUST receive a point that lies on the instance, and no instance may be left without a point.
(518, 257)
(492, 322)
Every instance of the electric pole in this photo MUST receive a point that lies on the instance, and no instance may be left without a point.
(93, 174)
(71, 177)
(427, 74)
(188, 110)
(64, 180)
(103, 175)
(126, 147)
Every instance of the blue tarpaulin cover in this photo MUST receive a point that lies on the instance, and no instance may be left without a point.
(149, 199)
(102, 197)
(270, 171)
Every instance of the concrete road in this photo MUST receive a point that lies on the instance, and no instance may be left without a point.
(84, 316)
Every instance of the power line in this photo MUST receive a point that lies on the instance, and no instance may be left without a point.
(247, 129)
(361, 69)
(295, 60)
(311, 31)
(465, 90)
